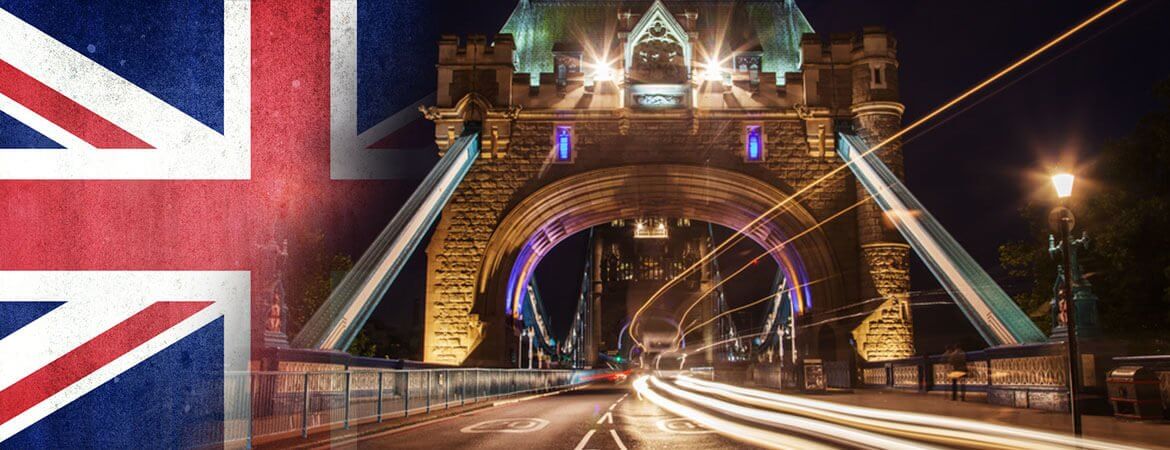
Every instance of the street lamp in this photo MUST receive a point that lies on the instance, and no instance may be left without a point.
(520, 348)
(531, 334)
(1063, 220)
(1064, 184)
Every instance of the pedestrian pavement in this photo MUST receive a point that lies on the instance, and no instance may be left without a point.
(1149, 434)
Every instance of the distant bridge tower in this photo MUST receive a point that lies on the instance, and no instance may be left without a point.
(638, 256)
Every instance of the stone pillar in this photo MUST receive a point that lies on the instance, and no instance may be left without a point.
(474, 86)
(595, 322)
(887, 333)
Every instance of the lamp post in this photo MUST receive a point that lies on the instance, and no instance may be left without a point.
(531, 334)
(520, 348)
(1063, 220)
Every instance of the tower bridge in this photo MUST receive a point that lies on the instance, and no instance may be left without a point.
(610, 111)
(581, 115)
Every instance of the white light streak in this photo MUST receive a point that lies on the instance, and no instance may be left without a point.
(906, 423)
(826, 429)
(725, 427)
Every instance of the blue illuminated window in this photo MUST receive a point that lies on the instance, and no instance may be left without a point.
(564, 143)
(754, 148)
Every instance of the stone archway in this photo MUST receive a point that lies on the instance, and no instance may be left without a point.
(564, 207)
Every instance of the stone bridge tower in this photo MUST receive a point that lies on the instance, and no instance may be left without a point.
(592, 112)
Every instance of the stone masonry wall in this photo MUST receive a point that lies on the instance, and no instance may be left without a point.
(887, 333)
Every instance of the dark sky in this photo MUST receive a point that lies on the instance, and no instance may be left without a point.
(974, 170)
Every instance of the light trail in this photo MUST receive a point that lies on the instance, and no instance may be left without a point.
(825, 430)
(739, 234)
(946, 437)
(725, 341)
(750, 435)
(925, 426)
(679, 335)
(743, 307)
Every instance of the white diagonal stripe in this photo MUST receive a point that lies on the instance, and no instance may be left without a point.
(184, 147)
(95, 300)
(350, 157)
(40, 124)
(89, 84)
(107, 372)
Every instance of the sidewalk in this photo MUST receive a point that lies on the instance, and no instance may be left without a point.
(1107, 428)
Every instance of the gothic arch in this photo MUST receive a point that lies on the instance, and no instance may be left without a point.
(573, 204)
(658, 30)
(473, 107)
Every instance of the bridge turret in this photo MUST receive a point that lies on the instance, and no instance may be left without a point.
(824, 81)
(885, 257)
(474, 86)
(474, 65)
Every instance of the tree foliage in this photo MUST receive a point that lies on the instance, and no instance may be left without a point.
(315, 281)
(1124, 204)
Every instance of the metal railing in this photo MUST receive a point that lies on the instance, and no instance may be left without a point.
(1024, 376)
(285, 404)
(838, 375)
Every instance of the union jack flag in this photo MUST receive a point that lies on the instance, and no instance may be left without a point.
(150, 150)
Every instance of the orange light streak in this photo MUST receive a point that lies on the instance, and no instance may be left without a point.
(935, 113)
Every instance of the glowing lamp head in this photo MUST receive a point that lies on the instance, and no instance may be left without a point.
(1064, 184)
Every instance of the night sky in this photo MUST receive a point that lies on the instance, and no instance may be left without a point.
(975, 169)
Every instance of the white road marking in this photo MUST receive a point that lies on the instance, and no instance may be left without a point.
(617, 439)
(584, 440)
(681, 426)
(518, 425)
(607, 415)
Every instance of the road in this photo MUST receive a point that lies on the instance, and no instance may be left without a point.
(653, 413)
(598, 416)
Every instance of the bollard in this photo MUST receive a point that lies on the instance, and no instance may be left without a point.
(347, 378)
(252, 385)
(406, 396)
(380, 373)
(305, 408)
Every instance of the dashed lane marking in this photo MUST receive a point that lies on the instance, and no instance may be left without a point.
(584, 440)
(617, 439)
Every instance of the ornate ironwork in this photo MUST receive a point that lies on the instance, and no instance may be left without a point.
(874, 376)
(976, 374)
(1048, 370)
(906, 376)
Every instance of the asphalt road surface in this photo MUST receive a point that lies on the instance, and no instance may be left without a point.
(683, 413)
(599, 416)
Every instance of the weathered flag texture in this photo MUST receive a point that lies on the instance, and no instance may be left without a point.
(153, 154)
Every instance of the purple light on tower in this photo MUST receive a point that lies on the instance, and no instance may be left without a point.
(755, 143)
(564, 143)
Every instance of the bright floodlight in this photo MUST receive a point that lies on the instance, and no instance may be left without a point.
(713, 72)
(1064, 184)
(602, 72)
